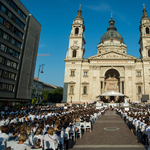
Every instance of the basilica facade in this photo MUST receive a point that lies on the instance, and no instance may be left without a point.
(111, 69)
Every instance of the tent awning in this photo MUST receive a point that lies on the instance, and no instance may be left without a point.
(111, 93)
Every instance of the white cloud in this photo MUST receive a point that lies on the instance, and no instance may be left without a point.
(101, 7)
(41, 46)
(105, 7)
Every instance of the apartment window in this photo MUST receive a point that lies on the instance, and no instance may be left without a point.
(7, 1)
(3, 47)
(72, 73)
(3, 8)
(11, 15)
(8, 25)
(71, 89)
(74, 53)
(5, 75)
(14, 65)
(6, 36)
(139, 73)
(12, 76)
(11, 52)
(6, 87)
(13, 41)
(18, 44)
(139, 89)
(19, 23)
(10, 87)
(9, 63)
(13, 5)
(17, 32)
(1, 72)
(84, 90)
(16, 55)
(1, 20)
(85, 73)
(2, 60)
(21, 14)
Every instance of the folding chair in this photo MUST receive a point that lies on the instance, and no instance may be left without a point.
(88, 125)
(83, 125)
(49, 145)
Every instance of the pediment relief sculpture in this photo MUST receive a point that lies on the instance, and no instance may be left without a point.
(112, 55)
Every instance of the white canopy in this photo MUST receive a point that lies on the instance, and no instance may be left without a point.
(111, 93)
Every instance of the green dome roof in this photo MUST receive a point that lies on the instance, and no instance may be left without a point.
(111, 32)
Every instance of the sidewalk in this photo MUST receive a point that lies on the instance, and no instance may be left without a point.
(120, 139)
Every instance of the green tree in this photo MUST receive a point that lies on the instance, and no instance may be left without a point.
(56, 95)
(45, 95)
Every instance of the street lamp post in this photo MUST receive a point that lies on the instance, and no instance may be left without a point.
(38, 78)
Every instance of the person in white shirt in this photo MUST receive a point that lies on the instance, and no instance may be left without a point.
(52, 137)
(21, 145)
(38, 136)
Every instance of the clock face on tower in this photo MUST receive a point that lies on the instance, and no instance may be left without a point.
(75, 42)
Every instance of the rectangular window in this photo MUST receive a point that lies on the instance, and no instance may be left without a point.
(5, 75)
(1, 72)
(3, 8)
(8, 63)
(14, 65)
(13, 41)
(4, 86)
(6, 36)
(72, 73)
(17, 32)
(138, 73)
(85, 73)
(10, 87)
(17, 55)
(19, 23)
(2, 60)
(12, 76)
(1, 20)
(13, 5)
(18, 44)
(11, 15)
(11, 52)
(3, 47)
(7, 1)
(8, 25)
(21, 14)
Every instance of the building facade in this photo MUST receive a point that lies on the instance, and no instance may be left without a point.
(19, 39)
(111, 69)
(39, 86)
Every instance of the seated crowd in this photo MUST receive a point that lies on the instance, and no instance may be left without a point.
(138, 121)
(42, 127)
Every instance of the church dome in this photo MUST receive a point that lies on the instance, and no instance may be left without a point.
(111, 32)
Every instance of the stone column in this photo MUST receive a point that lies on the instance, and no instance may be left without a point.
(103, 86)
(120, 86)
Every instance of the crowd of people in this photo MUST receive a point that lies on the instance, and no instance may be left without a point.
(138, 121)
(30, 127)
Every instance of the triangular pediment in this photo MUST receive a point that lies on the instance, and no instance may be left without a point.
(112, 55)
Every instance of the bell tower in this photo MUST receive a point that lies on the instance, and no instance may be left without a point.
(144, 35)
(76, 38)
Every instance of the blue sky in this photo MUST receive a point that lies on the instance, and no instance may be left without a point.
(56, 17)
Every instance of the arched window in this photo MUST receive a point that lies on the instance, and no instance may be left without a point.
(139, 89)
(71, 90)
(76, 30)
(148, 53)
(147, 30)
(74, 53)
(84, 90)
